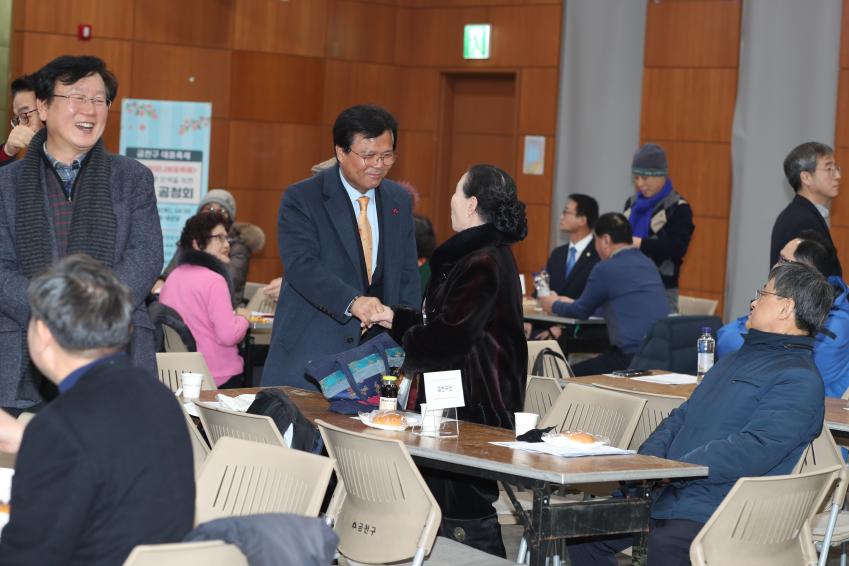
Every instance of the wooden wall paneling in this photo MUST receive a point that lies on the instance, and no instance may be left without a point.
(840, 206)
(688, 104)
(524, 35)
(471, 149)
(701, 172)
(263, 269)
(693, 33)
(538, 100)
(433, 37)
(272, 156)
(40, 48)
(417, 98)
(704, 264)
(535, 189)
(532, 253)
(112, 132)
(261, 207)
(206, 23)
(294, 28)
(108, 18)
(186, 73)
(425, 207)
(349, 83)
(415, 163)
(840, 235)
(218, 150)
(276, 88)
(359, 31)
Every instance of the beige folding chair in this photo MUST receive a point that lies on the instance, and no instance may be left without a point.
(206, 553)
(553, 367)
(241, 477)
(173, 342)
(831, 524)
(171, 366)
(597, 411)
(262, 303)
(380, 489)
(200, 449)
(765, 521)
(540, 394)
(657, 408)
(7, 460)
(218, 423)
(696, 306)
(251, 289)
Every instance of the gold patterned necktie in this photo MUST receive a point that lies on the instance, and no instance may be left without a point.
(365, 233)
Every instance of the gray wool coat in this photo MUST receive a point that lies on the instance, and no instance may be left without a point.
(137, 262)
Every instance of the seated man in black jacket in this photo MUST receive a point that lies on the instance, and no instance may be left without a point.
(107, 465)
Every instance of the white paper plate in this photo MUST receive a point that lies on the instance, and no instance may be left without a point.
(562, 441)
(366, 420)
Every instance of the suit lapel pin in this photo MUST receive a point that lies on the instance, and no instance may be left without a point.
(394, 212)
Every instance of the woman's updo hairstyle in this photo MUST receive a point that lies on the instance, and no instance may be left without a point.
(199, 228)
(497, 201)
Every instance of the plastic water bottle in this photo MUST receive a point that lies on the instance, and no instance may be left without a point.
(706, 346)
(541, 282)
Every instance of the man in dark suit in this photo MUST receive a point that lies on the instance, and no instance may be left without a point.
(107, 465)
(66, 195)
(348, 247)
(569, 265)
(812, 172)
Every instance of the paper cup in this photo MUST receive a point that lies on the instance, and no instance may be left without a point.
(525, 422)
(431, 419)
(191, 385)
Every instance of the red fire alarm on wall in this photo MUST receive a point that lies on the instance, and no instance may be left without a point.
(84, 32)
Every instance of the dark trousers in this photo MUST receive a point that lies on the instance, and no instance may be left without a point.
(668, 545)
(612, 360)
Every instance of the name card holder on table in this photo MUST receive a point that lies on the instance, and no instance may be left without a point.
(444, 394)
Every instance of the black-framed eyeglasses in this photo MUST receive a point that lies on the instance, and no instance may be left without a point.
(373, 159)
(79, 100)
(22, 118)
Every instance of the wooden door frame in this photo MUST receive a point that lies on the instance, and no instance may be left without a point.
(439, 206)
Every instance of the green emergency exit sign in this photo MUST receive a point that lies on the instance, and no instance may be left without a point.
(476, 41)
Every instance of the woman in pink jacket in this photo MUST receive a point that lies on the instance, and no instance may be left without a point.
(199, 289)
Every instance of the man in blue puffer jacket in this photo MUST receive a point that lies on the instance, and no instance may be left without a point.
(831, 347)
(752, 415)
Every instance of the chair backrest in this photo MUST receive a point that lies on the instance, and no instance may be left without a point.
(597, 411)
(540, 394)
(765, 521)
(251, 289)
(657, 408)
(696, 305)
(261, 303)
(552, 366)
(171, 365)
(379, 486)
(173, 342)
(241, 477)
(671, 343)
(206, 553)
(821, 453)
(200, 449)
(219, 423)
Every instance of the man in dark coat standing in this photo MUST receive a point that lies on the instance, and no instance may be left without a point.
(107, 465)
(811, 171)
(348, 247)
(69, 195)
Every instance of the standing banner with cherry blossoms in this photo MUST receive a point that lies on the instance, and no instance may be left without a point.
(172, 139)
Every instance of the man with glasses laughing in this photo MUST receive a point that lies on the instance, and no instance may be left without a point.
(25, 121)
(69, 195)
(815, 176)
(348, 247)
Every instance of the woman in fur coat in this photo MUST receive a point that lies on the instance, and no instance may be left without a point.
(471, 320)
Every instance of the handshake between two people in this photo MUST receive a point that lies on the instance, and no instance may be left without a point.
(370, 311)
